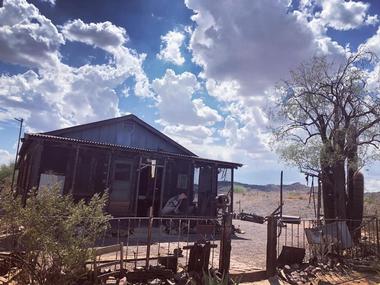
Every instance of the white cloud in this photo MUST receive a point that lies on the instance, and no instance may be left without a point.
(175, 100)
(103, 35)
(51, 2)
(244, 48)
(27, 37)
(112, 39)
(224, 90)
(234, 42)
(372, 43)
(372, 20)
(171, 47)
(189, 134)
(5, 157)
(345, 15)
(54, 94)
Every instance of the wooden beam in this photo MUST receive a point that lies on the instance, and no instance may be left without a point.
(75, 170)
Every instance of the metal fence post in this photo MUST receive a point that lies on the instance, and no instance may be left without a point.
(271, 262)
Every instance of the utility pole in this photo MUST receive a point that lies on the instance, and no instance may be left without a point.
(20, 120)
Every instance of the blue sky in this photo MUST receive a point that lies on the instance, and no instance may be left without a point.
(200, 71)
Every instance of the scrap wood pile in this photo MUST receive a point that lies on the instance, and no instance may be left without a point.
(319, 273)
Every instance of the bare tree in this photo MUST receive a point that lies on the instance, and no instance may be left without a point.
(328, 109)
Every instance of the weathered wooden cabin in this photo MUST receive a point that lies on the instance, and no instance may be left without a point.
(140, 166)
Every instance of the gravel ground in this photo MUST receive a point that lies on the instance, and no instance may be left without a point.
(249, 249)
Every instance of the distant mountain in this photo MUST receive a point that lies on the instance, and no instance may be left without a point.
(242, 187)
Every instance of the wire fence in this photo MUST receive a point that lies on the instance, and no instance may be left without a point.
(343, 237)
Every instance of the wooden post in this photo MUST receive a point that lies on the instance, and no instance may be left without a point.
(149, 238)
(271, 263)
(36, 165)
(109, 170)
(232, 191)
(225, 245)
(163, 185)
(18, 145)
(75, 170)
(122, 257)
(137, 185)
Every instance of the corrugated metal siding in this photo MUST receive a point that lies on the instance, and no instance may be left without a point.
(126, 134)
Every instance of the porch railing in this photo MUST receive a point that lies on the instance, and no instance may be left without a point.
(146, 239)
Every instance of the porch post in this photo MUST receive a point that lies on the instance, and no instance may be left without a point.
(232, 191)
(108, 170)
(163, 185)
(36, 166)
(75, 170)
(137, 185)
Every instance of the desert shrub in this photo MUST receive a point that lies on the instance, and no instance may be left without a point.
(6, 171)
(239, 189)
(53, 235)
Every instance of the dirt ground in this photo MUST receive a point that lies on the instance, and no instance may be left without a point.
(354, 279)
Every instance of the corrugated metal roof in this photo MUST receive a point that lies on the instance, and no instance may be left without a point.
(126, 148)
(132, 117)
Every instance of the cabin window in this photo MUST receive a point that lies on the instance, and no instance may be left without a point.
(182, 181)
(51, 180)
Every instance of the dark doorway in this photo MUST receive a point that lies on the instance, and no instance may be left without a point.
(120, 196)
(146, 197)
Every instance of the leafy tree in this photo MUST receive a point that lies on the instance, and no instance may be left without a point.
(54, 235)
(327, 120)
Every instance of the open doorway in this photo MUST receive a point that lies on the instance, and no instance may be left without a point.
(149, 191)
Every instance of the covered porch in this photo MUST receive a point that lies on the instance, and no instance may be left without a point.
(135, 178)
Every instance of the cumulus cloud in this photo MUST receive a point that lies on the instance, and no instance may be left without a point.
(27, 37)
(189, 134)
(372, 43)
(241, 60)
(176, 104)
(345, 15)
(233, 41)
(224, 90)
(54, 94)
(103, 35)
(171, 47)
